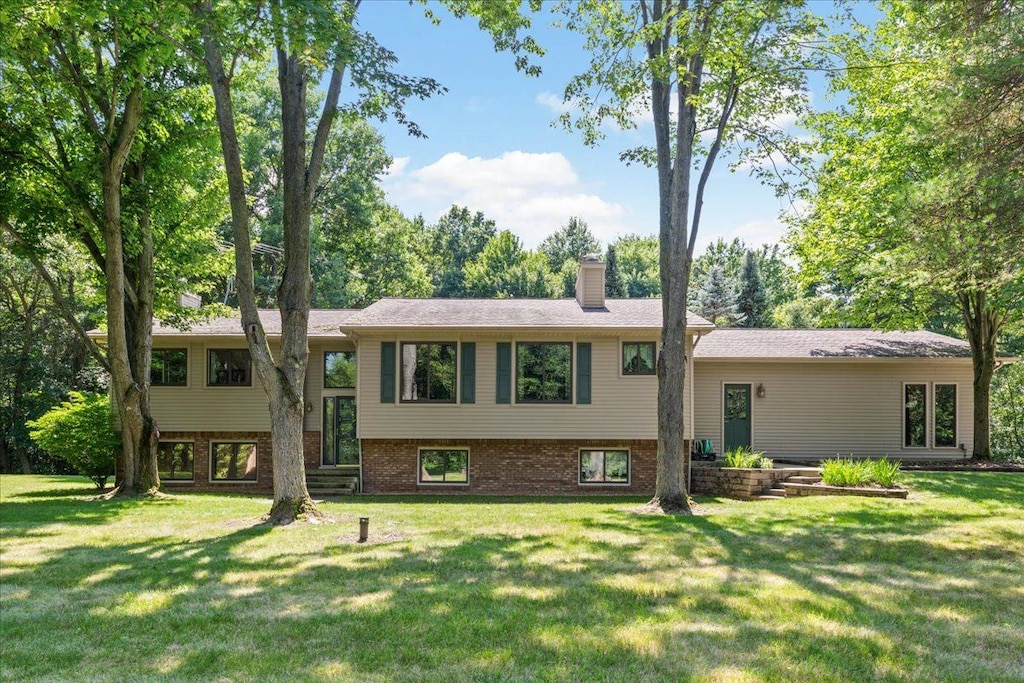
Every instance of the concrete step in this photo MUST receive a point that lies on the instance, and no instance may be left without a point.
(803, 479)
(763, 496)
(800, 471)
(775, 491)
(330, 493)
(332, 480)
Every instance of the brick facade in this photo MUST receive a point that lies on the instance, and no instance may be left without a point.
(524, 466)
(264, 461)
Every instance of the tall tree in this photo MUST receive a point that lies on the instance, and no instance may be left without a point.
(101, 117)
(638, 264)
(752, 304)
(717, 299)
(504, 270)
(723, 67)
(456, 239)
(919, 201)
(613, 287)
(308, 41)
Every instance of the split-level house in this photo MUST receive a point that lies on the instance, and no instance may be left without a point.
(546, 396)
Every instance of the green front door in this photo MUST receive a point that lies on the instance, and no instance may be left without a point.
(737, 416)
(341, 447)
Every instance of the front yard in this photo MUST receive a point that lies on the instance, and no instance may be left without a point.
(823, 589)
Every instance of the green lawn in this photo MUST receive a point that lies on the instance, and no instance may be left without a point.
(485, 589)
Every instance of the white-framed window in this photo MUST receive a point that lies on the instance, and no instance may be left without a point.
(604, 466)
(233, 461)
(444, 466)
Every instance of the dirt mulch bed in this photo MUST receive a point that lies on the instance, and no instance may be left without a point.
(963, 466)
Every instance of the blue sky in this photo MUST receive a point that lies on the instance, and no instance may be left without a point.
(492, 147)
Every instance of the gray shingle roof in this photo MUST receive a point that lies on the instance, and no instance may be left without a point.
(490, 313)
(322, 323)
(840, 343)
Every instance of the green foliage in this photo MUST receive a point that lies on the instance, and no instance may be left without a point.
(80, 431)
(638, 265)
(613, 286)
(799, 314)
(743, 456)
(1008, 413)
(850, 472)
(752, 305)
(717, 299)
(455, 240)
(566, 246)
(504, 270)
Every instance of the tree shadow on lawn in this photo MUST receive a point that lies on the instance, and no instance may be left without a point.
(619, 597)
(975, 487)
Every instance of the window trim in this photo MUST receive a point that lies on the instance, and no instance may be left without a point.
(210, 350)
(419, 466)
(903, 416)
(571, 379)
(355, 379)
(401, 373)
(213, 461)
(629, 467)
(622, 359)
(190, 442)
(187, 373)
(956, 415)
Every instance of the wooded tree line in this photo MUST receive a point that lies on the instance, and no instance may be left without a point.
(143, 149)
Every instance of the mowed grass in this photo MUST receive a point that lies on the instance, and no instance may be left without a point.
(487, 589)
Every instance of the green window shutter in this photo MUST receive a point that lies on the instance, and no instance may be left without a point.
(503, 391)
(583, 373)
(387, 372)
(468, 388)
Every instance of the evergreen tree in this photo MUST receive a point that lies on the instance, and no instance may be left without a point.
(753, 300)
(717, 298)
(613, 288)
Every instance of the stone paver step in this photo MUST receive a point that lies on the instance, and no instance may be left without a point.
(802, 479)
(763, 496)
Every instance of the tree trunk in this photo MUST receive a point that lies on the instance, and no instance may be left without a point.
(982, 324)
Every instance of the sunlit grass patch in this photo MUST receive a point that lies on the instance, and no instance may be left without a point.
(491, 589)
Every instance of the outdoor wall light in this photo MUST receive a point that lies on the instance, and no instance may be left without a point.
(760, 391)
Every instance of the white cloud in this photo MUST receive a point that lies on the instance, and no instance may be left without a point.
(397, 167)
(753, 233)
(555, 103)
(532, 194)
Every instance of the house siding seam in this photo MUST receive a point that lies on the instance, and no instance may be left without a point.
(505, 466)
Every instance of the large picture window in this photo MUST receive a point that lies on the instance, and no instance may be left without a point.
(229, 368)
(945, 416)
(428, 372)
(340, 370)
(604, 467)
(638, 358)
(233, 461)
(175, 460)
(544, 372)
(169, 368)
(915, 401)
(444, 466)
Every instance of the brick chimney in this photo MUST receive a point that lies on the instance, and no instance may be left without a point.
(590, 282)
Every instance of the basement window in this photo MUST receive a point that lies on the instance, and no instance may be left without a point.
(444, 466)
(233, 461)
(175, 460)
(604, 467)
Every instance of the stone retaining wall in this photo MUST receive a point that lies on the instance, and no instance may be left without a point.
(734, 482)
(824, 490)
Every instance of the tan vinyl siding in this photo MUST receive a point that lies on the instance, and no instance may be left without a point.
(198, 407)
(621, 407)
(821, 408)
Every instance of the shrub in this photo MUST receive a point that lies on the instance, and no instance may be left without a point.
(80, 431)
(885, 472)
(764, 462)
(850, 472)
(744, 457)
